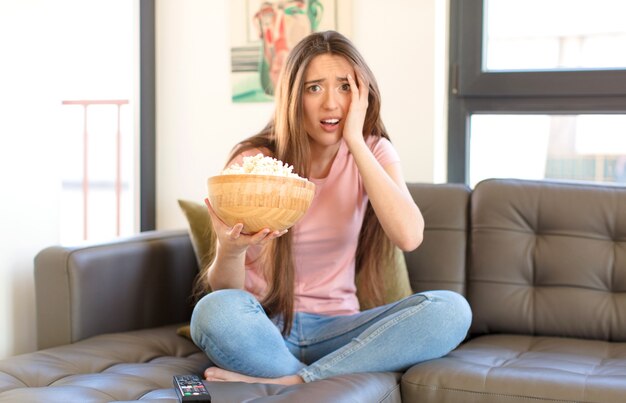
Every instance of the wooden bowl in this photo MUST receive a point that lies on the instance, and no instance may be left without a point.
(260, 201)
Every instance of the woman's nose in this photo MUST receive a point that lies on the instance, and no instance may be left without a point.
(330, 100)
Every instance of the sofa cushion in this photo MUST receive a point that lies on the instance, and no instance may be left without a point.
(439, 262)
(511, 368)
(104, 368)
(379, 387)
(548, 258)
(139, 366)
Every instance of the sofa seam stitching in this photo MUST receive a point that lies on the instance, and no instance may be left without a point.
(433, 387)
(390, 392)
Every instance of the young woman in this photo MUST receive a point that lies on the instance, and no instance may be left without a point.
(284, 307)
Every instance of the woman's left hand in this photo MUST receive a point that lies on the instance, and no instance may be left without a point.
(353, 128)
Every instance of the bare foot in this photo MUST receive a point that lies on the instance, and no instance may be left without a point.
(222, 375)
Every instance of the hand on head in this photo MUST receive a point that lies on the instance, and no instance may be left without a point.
(359, 88)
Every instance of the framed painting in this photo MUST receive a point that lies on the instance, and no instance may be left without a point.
(263, 33)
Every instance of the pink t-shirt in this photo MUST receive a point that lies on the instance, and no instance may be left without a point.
(325, 239)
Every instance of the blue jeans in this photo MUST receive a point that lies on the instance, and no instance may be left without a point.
(236, 334)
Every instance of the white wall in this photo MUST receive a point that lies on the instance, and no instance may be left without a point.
(29, 179)
(403, 41)
(48, 54)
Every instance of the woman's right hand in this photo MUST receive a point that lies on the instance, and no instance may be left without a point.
(232, 240)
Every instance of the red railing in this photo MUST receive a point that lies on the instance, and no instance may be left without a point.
(118, 163)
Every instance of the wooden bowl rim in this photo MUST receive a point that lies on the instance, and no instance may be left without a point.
(268, 178)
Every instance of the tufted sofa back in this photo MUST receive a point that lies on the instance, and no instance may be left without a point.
(439, 262)
(548, 259)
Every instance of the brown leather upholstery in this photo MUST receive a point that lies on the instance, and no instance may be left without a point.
(546, 282)
(382, 387)
(439, 262)
(548, 259)
(518, 368)
(543, 265)
(138, 366)
(142, 282)
(109, 367)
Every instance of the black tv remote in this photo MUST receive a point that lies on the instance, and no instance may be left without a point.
(190, 388)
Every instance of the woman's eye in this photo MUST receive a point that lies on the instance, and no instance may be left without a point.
(345, 87)
(314, 88)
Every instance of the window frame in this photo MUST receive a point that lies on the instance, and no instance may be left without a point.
(473, 91)
(147, 114)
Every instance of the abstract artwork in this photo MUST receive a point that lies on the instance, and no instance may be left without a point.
(263, 33)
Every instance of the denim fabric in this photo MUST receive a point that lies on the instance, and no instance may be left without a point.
(236, 334)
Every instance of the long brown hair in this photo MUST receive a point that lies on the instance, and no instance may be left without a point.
(285, 138)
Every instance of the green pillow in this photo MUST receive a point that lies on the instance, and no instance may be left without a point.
(201, 232)
(397, 284)
(202, 240)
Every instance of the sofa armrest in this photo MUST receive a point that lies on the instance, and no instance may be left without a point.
(127, 284)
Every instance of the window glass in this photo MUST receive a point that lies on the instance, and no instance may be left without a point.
(96, 118)
(572, 147)
(554, 35)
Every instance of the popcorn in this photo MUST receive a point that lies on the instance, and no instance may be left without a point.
(261, 165)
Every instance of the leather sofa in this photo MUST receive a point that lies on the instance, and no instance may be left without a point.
(543, 265)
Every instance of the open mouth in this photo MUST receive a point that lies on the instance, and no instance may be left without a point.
(330, 123)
